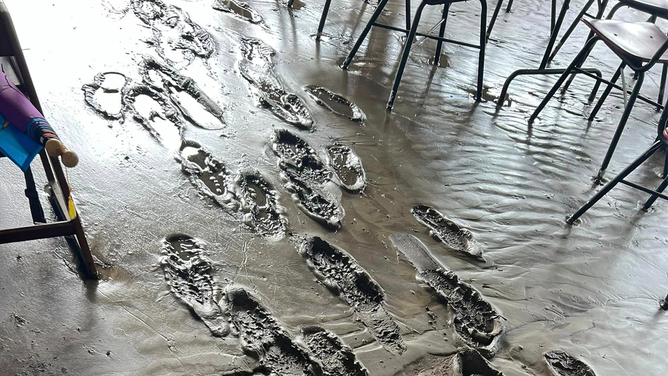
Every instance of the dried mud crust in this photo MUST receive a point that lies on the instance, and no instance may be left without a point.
(448, 232)
(173, 28)
(189, 274)
(562, 364)
(98, 85)
(336, 103)
(259, 202)
(171, 83)
(336, 358)
(257, 67)
(240, 9)
(209, 175)
(263, 338)
(347, 166)
(465, 362)
(341, 273)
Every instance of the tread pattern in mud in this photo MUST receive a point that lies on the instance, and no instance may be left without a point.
(479, 324)
(347, 166)
(257, 67)
(341, 273)
(447, 231)
(240, 9)
(209, 175)
(336, 358)
(263, 338)
(259, 202)
(189, 274)
(563, 364)
(100, 86)
(336, 103)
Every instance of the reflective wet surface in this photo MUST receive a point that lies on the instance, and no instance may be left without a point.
(591, 290)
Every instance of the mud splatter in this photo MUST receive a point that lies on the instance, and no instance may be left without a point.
(263, 338)
(341, 273)
(336, 103)
(562, 364)
(240, 9)
(448, 232)
(259, 201)
(189, 274)
(208, 174)
(182, 90)
(348, 167)
(105, 94)
(257, 67)
(465, 362)
(336, 358)
(173, 28)
(478, 323)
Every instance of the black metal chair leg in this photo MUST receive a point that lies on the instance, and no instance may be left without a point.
(290, 3)
(497, 9)
(606, 92)
(651, 200)
(553, 13)
(578, 59)
(622, 124)
(510, 6)
(323, 18)
(33, 198)
(553, 35)
(570, 29)
(364, 34)
(662, 86)
(408, 14)
(404, 56)
(481, 55)
(608, 187)
(439, 44)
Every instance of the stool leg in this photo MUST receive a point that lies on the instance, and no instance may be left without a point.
(404, 56)
(365, 32)
(497, 9)
(606, 92)
(439, 44)
(323, 18)
(578, 59)
(481, 55)
(622, 124)
(608, 187)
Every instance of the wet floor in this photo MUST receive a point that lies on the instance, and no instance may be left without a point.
(205, 234)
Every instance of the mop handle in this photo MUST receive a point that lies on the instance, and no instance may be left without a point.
(55, 149)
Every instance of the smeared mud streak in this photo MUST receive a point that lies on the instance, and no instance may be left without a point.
(241, 9)
(476, 320)
(189, 274)
(341, 273)
(562, 364)
(208, 174)
(448, 232)
(164, 19)
(98, 84)
(336, 103)
(257, 67)
(259, 201)
(264, 339)
(336, 358)
(168, 111)
(466, 362)
(173, 81)
(348, 167)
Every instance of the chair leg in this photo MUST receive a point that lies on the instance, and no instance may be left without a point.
(622, 124)
(662, 86)
(608, 187)
(33, 198)
(481, 55)
(606, 92)
(439, 44)
(570, 29)
(85, 249)
(364, 34)
(510, 6)
(651, 200)
(404, 56)
(408, 14)
(497, 9)
(578, 59)
(323, 18)
(290, 2)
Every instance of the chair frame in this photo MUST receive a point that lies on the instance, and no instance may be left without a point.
(58, 187)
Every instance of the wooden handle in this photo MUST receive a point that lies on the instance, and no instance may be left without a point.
(55, 148)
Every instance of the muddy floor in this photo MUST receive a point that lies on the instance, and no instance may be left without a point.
(254, 210)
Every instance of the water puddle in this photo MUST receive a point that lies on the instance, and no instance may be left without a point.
(208, 174)
(336, 103)
(336, 358)
(448, 232)
(562, 364)
(257, 67)
(189, 274)
(476, 321)
(259, 202)
(105, 94)
(347, 166)
(341, 273)
(240, 9)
